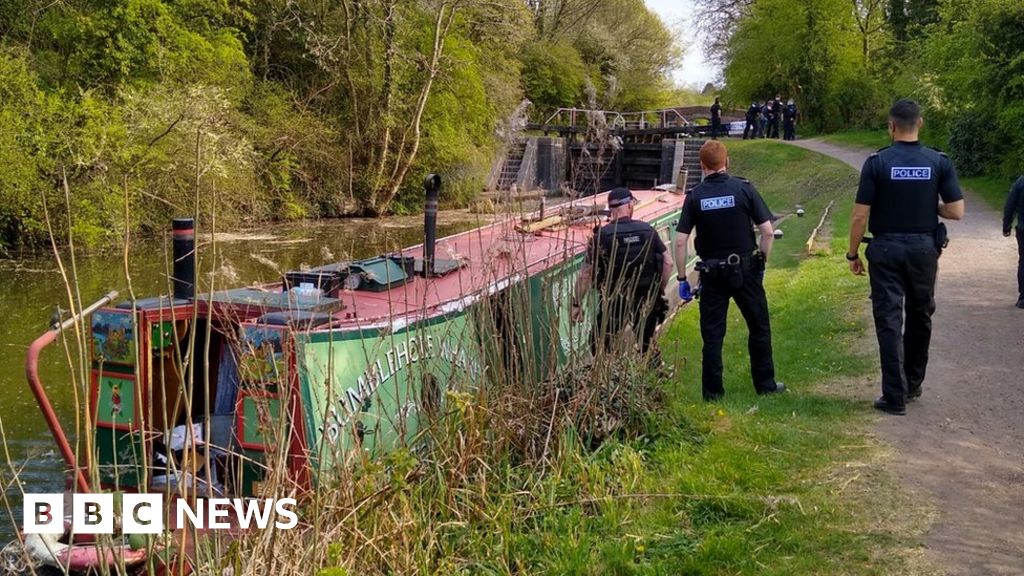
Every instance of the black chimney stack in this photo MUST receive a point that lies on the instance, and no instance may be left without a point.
(184, 271)
(432, 186)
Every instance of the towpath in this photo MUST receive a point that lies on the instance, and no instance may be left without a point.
(962, 443)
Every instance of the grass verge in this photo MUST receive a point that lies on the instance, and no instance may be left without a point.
(875, 139)
(992, 189)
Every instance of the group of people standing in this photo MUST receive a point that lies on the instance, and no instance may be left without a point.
(763, 119)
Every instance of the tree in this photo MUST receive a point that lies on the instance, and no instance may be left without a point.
(908, 16)
(974, 52)
(809, 50)
(553, 76)
(717, 22)
(870, 18)
(626, 49)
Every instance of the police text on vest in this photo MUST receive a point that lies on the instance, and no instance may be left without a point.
(718, 203)
(911, 173)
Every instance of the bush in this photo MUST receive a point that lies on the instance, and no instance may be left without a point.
(975, 142)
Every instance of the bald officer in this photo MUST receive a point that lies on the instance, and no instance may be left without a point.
(724, 210)
(903, 191)
(626, 263)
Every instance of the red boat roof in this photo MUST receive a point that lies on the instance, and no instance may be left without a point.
(492, 257)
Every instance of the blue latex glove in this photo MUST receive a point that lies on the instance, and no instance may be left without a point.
(685, 293)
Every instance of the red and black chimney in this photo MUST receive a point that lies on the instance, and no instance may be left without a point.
(432, 186)
(184, 251)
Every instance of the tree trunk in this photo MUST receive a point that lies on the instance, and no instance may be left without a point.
(405, 155)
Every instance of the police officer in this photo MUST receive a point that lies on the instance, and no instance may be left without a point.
(789, 121)
(775, 117)
(716, 118)
(723, 209)
(1015, 206)
(626, 262)
(753, 120)
(903, 191)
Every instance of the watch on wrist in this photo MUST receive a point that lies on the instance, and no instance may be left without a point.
(680, 278)
(853, 257)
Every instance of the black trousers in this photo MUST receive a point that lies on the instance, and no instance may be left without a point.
(716, 127)
(773, 128)
(789, 130)
(744, 285)
(750, 130)
(902, 269)
(1020, 264)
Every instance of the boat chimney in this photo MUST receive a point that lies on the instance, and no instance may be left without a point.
(184, 250)
(432, 186)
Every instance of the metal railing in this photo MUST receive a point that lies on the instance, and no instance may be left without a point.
(583, 117)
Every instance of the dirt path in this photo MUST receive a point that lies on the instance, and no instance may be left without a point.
(963, 441)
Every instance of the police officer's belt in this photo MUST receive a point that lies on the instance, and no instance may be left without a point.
(730, 261)
(940, 236)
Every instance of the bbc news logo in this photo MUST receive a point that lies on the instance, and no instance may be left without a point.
(144, 513)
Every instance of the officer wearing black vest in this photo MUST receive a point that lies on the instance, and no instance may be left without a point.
(724, 209)
(775, 117)
(904, 189)
(626, 262)
(753, 118)
(1014, 209)
(789, 115)
(716, 118)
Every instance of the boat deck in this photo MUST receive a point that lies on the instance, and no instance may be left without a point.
(491, 258)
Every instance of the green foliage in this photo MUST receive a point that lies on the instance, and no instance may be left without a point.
(846, 62)
(976, 49)
(974, 141)
(617, 50)
(553, 76)
(813, 52)
(110, 44)
(248, 111)
(43, 140)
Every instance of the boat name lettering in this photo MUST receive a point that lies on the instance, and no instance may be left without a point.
(402, 355)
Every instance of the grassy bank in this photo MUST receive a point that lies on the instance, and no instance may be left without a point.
(992, 189)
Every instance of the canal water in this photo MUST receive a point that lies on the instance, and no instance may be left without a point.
(31, 288)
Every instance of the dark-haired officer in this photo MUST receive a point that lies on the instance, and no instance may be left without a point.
(626, 262)
(753, 119)
(1015, 208)
(716, 118)
(724, 209)
(904, 189)
(776, 116)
